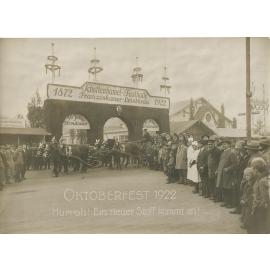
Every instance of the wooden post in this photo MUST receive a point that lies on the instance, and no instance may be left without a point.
(248, 92)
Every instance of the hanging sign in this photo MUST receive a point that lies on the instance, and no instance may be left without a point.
(76, 121)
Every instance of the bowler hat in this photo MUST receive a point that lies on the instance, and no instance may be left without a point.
(212, 138)
(265, 142)
(252, 146)
(204, 139)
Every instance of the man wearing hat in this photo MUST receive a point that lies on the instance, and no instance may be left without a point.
(19, 163)
(28, 157)
(4, 159)
(2, 172)
(10, 165)
(265, 150)
(226, 173)
(202, 165)
(242, 163)
(212, 162)
(253, 151)
(56, 157)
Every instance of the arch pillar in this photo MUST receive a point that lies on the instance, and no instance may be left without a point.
(137, 130)
(95, 132)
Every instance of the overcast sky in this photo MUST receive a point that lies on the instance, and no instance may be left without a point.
(210, 67)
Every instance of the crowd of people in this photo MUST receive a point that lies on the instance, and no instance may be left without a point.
(235, 174)
(13, 164)
(16, 161)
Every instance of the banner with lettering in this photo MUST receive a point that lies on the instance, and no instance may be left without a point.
(107, 94)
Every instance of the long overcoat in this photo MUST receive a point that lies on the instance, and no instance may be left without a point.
(202, 162)
(226, 169)
(213, 161)
(181, 158)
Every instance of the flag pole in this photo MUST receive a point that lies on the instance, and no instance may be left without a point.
(248, 92)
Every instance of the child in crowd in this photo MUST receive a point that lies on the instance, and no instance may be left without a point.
(247, 195)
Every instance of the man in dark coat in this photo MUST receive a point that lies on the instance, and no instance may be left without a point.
(63, 158)
(56, 158)
(226, 173)
(24, 162)
(39, 156)
(253, 151)
(171, 167)
(2, 171)
(242, 163)
(5, 164)
(28, 157)
(265, 151)
(34, 163)
(202, 165)
(19, 164)
(213, 160)
(84, 155)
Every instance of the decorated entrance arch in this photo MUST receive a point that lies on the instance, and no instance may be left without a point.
(99, 102)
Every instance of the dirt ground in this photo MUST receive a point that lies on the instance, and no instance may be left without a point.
(109, 201)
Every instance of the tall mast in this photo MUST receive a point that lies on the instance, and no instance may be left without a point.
(248, 92)
(164, 86)
(51, 64)
(137, 75)
(95, 67)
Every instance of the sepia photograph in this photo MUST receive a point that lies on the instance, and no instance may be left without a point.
(135, 135)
